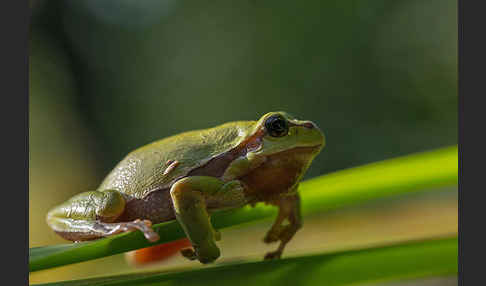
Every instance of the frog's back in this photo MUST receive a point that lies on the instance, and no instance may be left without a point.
(142, 171)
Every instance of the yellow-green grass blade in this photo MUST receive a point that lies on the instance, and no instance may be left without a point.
(417, 172)
(406, 260)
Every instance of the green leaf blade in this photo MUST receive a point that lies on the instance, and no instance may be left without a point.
(405, 260)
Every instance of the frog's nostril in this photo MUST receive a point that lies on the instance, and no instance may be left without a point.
(309, 125)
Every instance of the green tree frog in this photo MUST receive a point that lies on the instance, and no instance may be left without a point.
(189, 176)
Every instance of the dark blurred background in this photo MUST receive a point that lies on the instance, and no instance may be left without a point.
(107, 76)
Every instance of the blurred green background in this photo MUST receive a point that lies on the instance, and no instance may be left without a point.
(107, 76)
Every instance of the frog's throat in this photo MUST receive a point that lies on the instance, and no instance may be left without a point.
(279, 174)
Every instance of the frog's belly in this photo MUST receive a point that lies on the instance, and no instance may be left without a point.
(156, 207)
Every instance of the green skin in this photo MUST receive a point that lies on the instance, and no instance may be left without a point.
(189, 176)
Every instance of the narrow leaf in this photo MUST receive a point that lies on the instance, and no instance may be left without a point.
(404, 260)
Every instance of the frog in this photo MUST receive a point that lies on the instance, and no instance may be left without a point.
(190, 176)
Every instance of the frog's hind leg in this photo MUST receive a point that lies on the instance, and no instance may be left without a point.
(289, 208)
(190, 197)
(91, 215)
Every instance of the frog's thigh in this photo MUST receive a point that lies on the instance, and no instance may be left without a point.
(89, 215)
(190, 196)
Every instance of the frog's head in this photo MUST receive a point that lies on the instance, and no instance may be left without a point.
(279, 131)
(284, 148)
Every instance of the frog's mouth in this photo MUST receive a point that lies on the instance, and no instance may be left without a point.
(298, 150)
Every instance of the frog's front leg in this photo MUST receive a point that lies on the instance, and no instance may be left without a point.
(289, 208)
(191, 196)
(92, 215)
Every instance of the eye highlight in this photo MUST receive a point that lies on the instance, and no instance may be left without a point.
(277, 126)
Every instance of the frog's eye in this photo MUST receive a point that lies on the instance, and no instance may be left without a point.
(277, 126)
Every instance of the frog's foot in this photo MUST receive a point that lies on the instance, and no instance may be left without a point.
(145, 226)
(208, 254)
(204, 255)
(189, 253)
(284, 235)
(273, 255)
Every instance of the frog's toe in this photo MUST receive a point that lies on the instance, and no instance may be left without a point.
(208, 254)
(189, 253)
(208, 259)
(204, 255)
(273, 255)
(145, 226)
